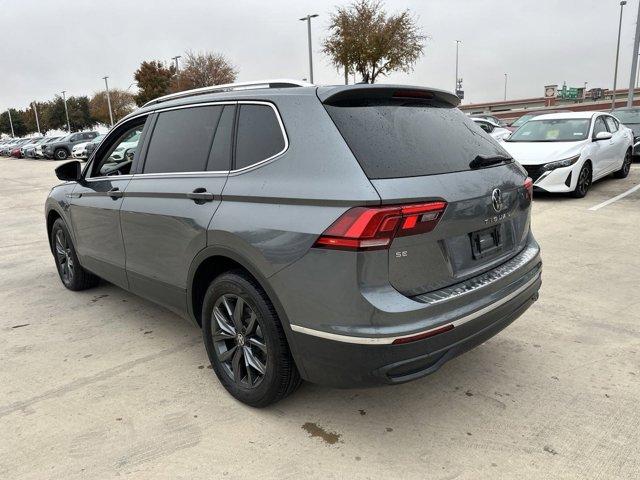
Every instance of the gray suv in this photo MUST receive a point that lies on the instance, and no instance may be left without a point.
(61, 148)
(347, 235)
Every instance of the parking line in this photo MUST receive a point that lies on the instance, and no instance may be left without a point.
(615, 199)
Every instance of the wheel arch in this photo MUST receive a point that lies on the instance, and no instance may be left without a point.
(213, 261)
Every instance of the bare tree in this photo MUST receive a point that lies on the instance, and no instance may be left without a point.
(364, 39)
(122, 103)
(203, 70)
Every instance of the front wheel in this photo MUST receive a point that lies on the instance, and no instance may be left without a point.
(245, 341)
(61, 154)
(584, 182)
(626, 166)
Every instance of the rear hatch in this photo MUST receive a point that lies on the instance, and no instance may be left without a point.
(416, 147)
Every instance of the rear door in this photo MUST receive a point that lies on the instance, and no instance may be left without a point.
(172, 197)
(604, 151)
(618, 142)
(417, 151)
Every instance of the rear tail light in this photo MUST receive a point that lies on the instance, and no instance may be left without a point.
(363, 228)
(528, 186)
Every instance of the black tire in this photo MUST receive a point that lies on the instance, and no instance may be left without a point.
(72, 275)
(60, 154)
(261, 341)
(626, 166)
(584, 182)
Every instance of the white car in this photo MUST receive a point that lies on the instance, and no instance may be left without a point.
(79, 150)
(567, 152)
(492, 128)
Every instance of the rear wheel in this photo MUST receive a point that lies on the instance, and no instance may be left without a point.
(626, 166)
(73, 276)
(584, 181)
(245, 341)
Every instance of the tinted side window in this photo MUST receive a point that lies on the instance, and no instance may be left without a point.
(611, 123)
(599, 126)
(181, 140)
(259, 135)
(220, 157)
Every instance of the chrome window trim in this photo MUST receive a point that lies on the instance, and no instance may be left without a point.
(223, 172)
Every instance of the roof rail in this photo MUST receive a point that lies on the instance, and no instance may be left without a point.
(228, 87)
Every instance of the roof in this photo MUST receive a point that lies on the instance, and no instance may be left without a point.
(567, 115)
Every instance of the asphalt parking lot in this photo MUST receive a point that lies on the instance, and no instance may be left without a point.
(101, 383)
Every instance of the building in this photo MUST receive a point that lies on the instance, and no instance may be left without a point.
(573, 99)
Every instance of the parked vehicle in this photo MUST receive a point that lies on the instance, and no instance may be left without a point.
(567, 152)
(630, 117)
(38, 150)
(496, 131)
(528, 116)
(29, 148)
(13, 149)
(492, 118)
(79, 150)
(93, 144)
(61, 149)
(304, 230)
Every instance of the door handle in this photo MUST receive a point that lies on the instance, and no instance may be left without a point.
(115, 193)
(200, 195)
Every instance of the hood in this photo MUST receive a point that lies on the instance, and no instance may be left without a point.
(79, 146)
(537, 153)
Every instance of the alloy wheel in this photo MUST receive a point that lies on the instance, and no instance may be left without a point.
(626, 165)
(238, 340)
(584, 180)
(64, 257)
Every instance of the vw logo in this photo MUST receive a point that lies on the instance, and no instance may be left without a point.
(496, 199)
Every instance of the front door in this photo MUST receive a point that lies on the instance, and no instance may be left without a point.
(172, 197)
(95, 207)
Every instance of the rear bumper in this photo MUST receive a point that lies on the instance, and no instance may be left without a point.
(346, 365)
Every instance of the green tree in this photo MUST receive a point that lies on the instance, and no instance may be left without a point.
(19, 127)
(365, 39)
(122, 103)
(153, 79)
(203, 70)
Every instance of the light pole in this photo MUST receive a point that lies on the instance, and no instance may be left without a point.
(106, 85)
(175, 59)
(66, 111)
(615, 70)
(634, 63)
(308, 20)
(455, 89)
(35, 110)
(11, 123)
(505, 86)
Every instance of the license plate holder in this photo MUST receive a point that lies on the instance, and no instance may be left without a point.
(487, 242)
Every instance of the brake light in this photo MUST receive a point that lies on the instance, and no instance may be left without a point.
(528, 186)
(363, 228)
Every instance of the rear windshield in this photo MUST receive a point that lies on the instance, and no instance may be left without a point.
(393, 138)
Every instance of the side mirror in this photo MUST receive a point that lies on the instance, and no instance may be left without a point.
(69, 172)
(602, 136)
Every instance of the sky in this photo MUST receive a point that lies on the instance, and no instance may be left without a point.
(54, 45)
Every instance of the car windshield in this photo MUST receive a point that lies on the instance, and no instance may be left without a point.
(98, 139)
(522, 120)
(628, 116)
(552, 130)
(64, 139)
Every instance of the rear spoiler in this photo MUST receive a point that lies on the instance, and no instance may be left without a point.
(337, 94)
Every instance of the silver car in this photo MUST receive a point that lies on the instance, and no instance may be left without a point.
(349, 235)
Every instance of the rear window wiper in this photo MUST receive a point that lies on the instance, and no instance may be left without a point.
(482, 161)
